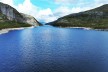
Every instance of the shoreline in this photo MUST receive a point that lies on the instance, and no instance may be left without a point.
(3, 31)
(87, 28)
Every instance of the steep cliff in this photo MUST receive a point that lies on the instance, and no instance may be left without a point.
(96, 18)
(8, 13)
(30, 20)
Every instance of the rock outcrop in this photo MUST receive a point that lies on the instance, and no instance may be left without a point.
(12, 14)
(30, 20)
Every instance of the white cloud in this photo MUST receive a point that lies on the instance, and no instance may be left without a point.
(27, 7)
(44, 15)
(101, 1)
(47, 15)
(10, 2)
(65, 1)
(62, 11)
(80, 1)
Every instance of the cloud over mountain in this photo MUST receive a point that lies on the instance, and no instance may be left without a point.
(62, 8)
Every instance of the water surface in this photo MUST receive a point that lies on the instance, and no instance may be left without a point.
(50, 49)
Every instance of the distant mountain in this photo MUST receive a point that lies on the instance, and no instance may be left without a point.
(96, 18)
(10, 18)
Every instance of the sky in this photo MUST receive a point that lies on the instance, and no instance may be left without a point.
(49, 10)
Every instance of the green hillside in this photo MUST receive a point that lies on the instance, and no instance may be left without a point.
(96, 18)
(5, 23)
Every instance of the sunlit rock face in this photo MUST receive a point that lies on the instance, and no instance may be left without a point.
(13, 15)
(30, 20)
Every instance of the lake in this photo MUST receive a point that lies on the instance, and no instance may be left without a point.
(51, 49)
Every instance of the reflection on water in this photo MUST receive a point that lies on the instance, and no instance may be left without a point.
(50, 49)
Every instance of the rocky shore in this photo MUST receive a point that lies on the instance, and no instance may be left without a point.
(3, 31)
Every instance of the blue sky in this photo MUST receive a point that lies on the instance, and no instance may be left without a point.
(50, 10)
(40, 3)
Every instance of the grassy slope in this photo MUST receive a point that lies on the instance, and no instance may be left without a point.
(96, 24)
(86, 19)
(5, 23)
(12, 24)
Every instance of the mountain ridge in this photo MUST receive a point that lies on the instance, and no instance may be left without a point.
(96, 18)
(10, 17)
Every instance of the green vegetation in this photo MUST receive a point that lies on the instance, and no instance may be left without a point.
(5, 23)
(84, 22)
(12, 24)
(96, 18)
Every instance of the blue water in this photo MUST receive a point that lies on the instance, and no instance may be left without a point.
(51, 49)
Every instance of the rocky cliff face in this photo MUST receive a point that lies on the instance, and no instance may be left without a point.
(95, 18)
(30, 20)
(12, 14)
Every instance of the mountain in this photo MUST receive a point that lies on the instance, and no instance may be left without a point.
(10, 18)
(96, 18)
